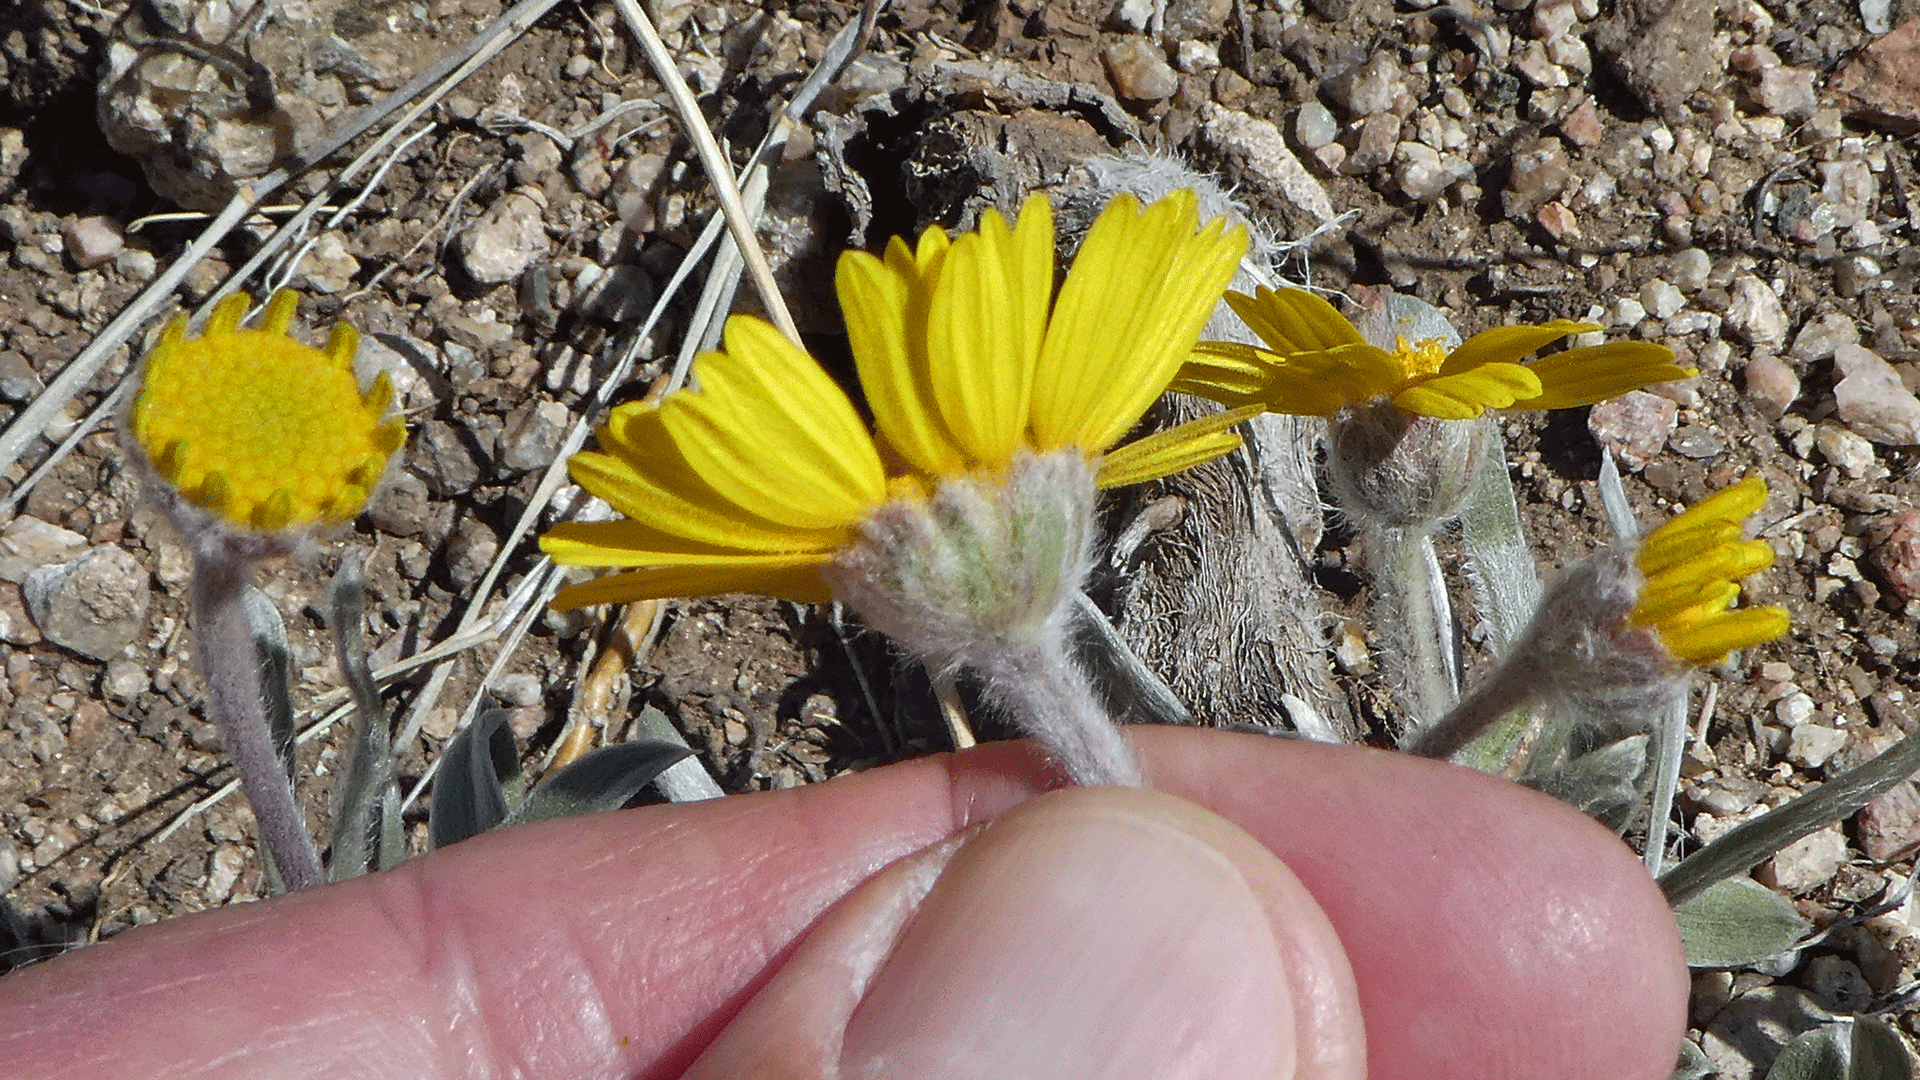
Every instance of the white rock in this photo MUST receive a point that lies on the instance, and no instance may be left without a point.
(1691, 267)
(95, 605)
(1756, 314)
(1850, 190)
(1135, 15)
(1264, 157)
(28, 543)
(1628, 312)
(1871, 399)
(1817, 340)
(1794, 709)
(1848, 452)
(1315, 126)
(1808, 862)
(1662, 299)
(1423, 173)
(1369, 88)
(1193, 56)
(1812, 744)
(1539, 69)
(329, 267)
(507, 237)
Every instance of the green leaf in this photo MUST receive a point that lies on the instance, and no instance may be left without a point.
(602, 780)
(1736, 922)
(276, 668)
(1750, 843)
(1879, 1052)
(1604, 784)
(470, 794)
(365, 797)
(1814, 1056)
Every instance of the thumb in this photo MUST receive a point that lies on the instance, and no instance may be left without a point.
(1091, 933)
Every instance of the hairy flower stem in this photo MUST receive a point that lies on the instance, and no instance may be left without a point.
(1510, 687)
(1041, 687)
(1416, 620)
(236, 702)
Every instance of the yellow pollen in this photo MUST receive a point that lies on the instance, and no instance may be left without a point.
(1421, 359)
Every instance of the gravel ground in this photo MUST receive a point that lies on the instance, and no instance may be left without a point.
(1738, 181)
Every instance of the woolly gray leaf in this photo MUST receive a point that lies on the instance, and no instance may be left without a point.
(1737, 922)
(602, 780)
(470, 794)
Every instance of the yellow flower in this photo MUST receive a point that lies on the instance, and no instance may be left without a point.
(1318, 365)
(1692, 566)
(755, 481)
(263, 432)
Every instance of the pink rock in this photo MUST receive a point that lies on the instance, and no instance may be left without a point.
(1881, 84)
(1893, 550)
(1772, 385)
(1635, 426)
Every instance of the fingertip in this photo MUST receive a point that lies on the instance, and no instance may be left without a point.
(1493, 931)
(1090, 933)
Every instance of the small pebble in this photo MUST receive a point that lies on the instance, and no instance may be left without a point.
(1870, 398)
(1691, 268)
(1661, 299)
(1314, 125)
(1772, 385)
(1635, 426)
(91, 241)
(1139, 72)
(1847, 451)
(1756, 314)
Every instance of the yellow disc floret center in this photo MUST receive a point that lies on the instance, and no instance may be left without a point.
(261, 430)
(1420, 359)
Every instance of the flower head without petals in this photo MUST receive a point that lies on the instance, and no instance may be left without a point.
(969, 363)
(1318, 364)
(260, 432)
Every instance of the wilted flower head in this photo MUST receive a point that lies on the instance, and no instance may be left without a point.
(261, 433)
(1617, 636)
(1318, 364)
(1407, 432)
(959, 523)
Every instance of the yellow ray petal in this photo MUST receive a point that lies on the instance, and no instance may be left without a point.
(1586, 376)
(675, 501)
(627, 542)
(799, 582)
(1139, 292)
(1663, 550)
(1731, 503)
(1294, 320)
(881, 302)
(984, 328)
(1466, 394)
(1180, 447)
(772, 433)
(1507, 344)
(1710, 640)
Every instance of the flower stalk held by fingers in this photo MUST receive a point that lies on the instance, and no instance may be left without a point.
(960, 523)
(254, 440)
(1618, 635)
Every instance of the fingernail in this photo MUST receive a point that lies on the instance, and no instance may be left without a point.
(1091, 941)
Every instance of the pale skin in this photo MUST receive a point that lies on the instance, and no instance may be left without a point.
(1283, 910)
